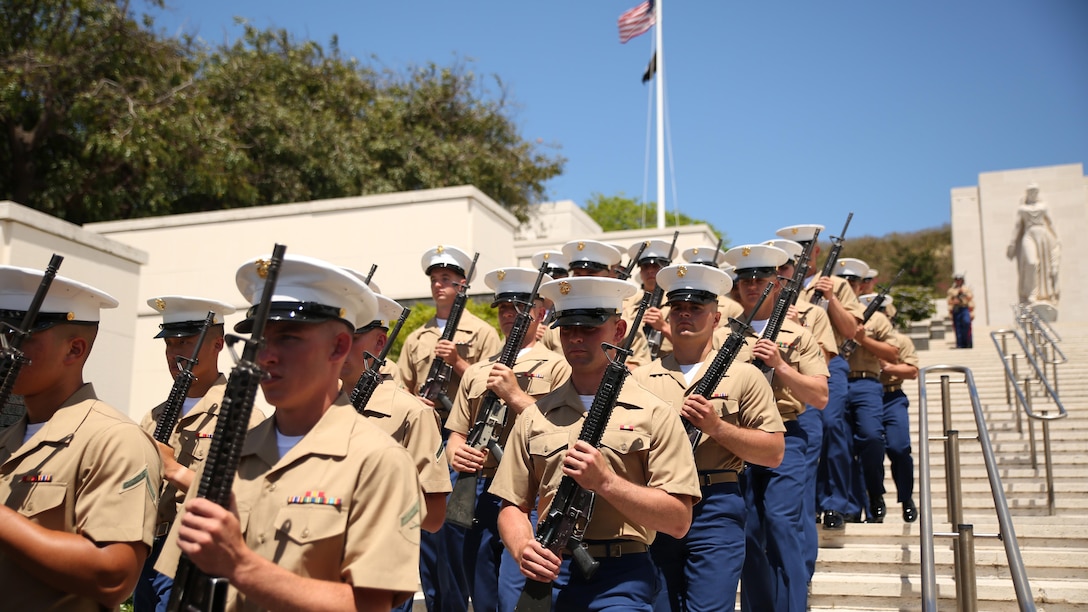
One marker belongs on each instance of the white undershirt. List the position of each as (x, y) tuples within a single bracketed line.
[(587, 401), (523, 351), (441, 323), (31, 429), (285, 443), (759, 326), (188, 404), (689, 371)]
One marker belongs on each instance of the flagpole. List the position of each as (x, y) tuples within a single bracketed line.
[(660, 94)]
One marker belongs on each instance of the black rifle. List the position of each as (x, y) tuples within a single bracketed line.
[(832, 257), (438, 378), (654, 337), (727, 352), (786, 298), (12, 358), (571, 509), (491, 418), (372, 376), (849, 345), (805, 261), (171, 412), (195, 591), (626, 272)]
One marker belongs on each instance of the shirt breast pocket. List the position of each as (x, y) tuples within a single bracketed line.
[(43, 503), (625, 442), (542, 449), (305, 524)]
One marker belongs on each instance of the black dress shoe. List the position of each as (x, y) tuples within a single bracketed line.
[(910, 511), (852, 517), (877, 510), (833, 520)]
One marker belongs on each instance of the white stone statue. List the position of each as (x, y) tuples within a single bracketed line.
[(1036, 249)]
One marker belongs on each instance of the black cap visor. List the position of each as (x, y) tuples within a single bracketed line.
[(660, 262), (44, 320), (588, 265), (510, 297), (697, 296), (458, 269), (301, 312), (744, 273), (582, 317)]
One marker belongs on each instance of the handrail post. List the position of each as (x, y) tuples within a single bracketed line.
[(964, 553), (1031, 424), (952, 476), (1049, 459)]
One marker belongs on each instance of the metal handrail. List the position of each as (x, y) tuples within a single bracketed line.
[(963, 533), (1025, 312), (1040, 375)]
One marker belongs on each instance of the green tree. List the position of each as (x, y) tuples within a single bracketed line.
[(106, 119), (620, 212)]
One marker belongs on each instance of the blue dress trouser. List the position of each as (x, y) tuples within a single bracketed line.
[(624, 583), (961, 323), (441, 569), (812, 422), (775, 576), (153, 590), (837, 457), (701, 571), (494, 580), (897, 442), (866, 408)]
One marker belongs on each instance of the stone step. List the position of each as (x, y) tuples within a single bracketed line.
[(904, 592), (1031, 532), (990, 561)]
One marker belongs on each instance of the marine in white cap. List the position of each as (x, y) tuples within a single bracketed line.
[(592, 258), (869, 280), (405, 417), (864, 400), (536, 372), (656, 254), (740, 422), (182, 320), (474, 339), (81, 481), (643, 472), (775, 495), (342, 495), (845, 313)]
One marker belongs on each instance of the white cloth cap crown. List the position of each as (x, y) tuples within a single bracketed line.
[(80, 302), (447, 256), (588, 292), (694, 277), (799, 233), (656, 248), (703, 255), (591, 251), (187, 309), (869, 297), (848, 266), (507, 281), (388, 311), (310, 280), (554, 257), (749, 256), (793, 249), (873, 272)]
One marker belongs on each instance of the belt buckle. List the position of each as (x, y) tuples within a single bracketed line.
[(613, 550), (162, 529)]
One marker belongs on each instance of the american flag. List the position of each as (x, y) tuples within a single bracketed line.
[(637, 21)]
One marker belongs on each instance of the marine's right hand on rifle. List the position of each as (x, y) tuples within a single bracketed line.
[(538, 563), (826, 286), (211, 536), (447, 351), (793, 315), (767, 351), (700, 412), (177, 474), (467, 459), (653, 318)]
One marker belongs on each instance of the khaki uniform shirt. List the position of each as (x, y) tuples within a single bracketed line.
[(960, 296), (644, 442), (818, 323), (799, 349), (742, 398), (475, 339), (845, 295), (640, 350), (538, 372), (906, 355), (343, 505), (415, 426), (190, 440), (729, 309), (630, 309), (90, 471), (861, 360)]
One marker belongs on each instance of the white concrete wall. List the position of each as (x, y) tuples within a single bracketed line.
[(29, 238)]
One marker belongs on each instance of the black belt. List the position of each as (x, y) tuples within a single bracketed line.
[(892, 388), (713, 477), (615, 548), (860, 375)]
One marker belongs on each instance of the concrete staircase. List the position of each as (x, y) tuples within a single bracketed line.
[(877, 567)]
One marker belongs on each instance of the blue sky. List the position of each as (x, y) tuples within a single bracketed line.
[(779, 111)]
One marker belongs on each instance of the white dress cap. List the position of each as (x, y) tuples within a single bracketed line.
[(586, 300), (656, 249), (512, 284), (693, 283), (307, 290), (793, 249), (557, 262), (183, 315), (704, 254), (799, 233), (67, 299), (847, 267), (443, 256), (873, 272), (591, 254), (756, 260), (869, 297), (388, 311), (359, 275)]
